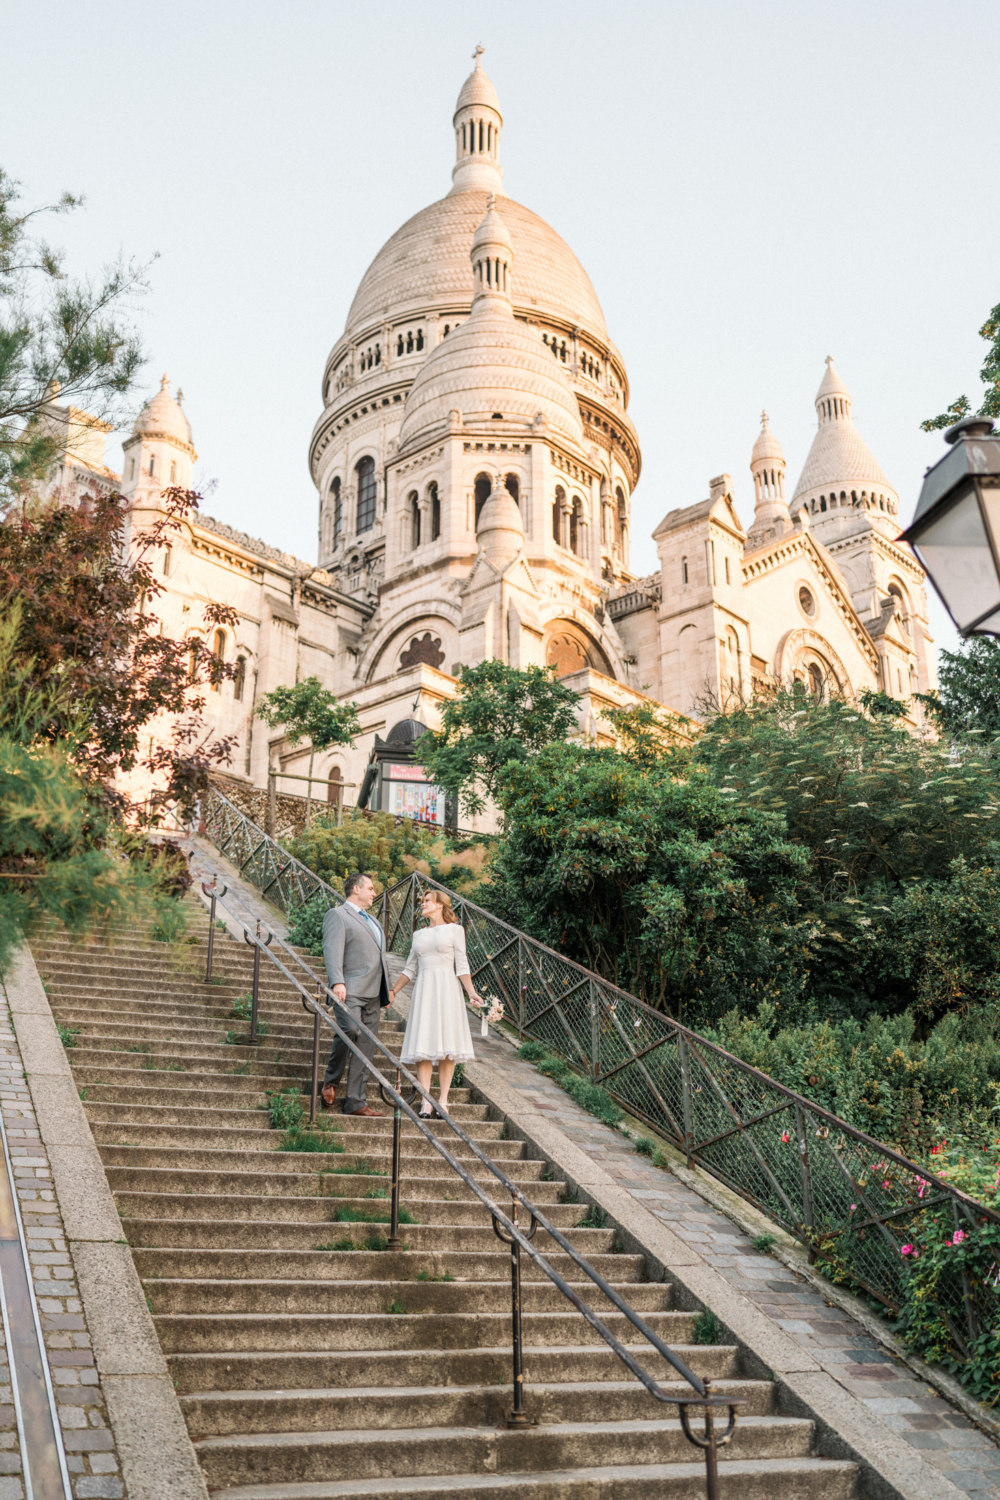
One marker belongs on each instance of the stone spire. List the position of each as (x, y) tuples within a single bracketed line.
[(478, 123), (492, 258), (767, 465), (840, 472)]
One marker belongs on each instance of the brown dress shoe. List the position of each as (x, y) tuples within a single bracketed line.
[(365, 1110), (328, 1094)]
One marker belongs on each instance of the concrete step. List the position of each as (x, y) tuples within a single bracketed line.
[(378, 1369), (319, 1184), (625, 1271), (255, 1458), (437, 1212), (741, 1479), (215, 1297), (152, 1231), (226, 1413), (193, 1332)]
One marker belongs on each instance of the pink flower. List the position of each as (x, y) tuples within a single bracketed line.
[(958, 1236), (785, 1137), (853, 1207), (886, 1184), (935, 1150), (906, 1250)]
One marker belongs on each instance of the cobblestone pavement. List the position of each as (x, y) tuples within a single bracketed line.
[(90, 1448), (942, 1433)]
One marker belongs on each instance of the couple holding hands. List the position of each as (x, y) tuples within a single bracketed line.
[(437, 1030)]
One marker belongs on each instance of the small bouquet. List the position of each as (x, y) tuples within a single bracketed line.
[(490, 1012)]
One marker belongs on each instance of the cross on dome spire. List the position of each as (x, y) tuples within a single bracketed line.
[(478, 122)]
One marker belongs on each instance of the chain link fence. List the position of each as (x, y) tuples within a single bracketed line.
[(868, 1216)]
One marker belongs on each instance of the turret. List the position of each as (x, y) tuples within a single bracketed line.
[(767, 465), (478, 123)]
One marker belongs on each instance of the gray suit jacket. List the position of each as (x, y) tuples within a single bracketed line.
[(352, 954)]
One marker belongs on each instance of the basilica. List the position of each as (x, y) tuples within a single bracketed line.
[(476, 466)]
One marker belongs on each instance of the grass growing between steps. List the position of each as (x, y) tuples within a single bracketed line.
[(370, 1242), (287, 1114), (595, 1100), (358, 1166), (68, 1034), (706, 1328), (347, 1215)]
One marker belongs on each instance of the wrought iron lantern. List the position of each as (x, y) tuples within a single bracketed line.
[(956, 529)]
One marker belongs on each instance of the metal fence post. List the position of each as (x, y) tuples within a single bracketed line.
[(687, 1097), (805, 1173), (522, 988), (595, 1035), (394, 1241), (213, 894), (272, 816), (256, 987)]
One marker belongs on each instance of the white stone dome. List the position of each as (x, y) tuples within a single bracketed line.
[(767, 445), (478, 91), (500, 529), (163, 417), (839, 457), (492, 364), (425, 265)]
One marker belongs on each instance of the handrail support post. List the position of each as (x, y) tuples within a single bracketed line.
[(256, 988), (394, 1241), (687, 1097), (517, 1417), (315, 1060)]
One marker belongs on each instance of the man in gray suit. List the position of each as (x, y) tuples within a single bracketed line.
[(354, 954)]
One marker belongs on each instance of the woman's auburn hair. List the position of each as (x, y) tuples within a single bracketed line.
[(444, 901)]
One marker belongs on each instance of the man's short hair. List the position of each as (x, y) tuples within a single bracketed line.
[(355, 879)]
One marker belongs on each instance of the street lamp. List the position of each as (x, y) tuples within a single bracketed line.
[(956, 529)]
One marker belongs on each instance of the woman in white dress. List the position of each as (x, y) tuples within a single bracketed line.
[(437, 1030)]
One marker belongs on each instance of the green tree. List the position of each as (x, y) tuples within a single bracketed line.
[(989, 375), (657, 881), (85, 589), (501, 715), (59, 855), (968, 697), (309, 711), (78, 334)]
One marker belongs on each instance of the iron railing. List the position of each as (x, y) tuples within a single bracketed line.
[(508, 1229), (866, 1213)]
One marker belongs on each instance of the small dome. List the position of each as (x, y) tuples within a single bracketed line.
[(492, 231), (767, 445), (163, 415), (477, 89), (500, 532), (405, 732)]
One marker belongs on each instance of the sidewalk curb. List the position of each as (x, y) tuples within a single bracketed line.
[(156, 1453)]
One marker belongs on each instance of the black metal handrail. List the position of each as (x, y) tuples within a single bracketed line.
[(508, 1228), (865, 1211)]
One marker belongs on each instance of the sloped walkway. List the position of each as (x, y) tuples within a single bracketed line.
[(938, 1430)]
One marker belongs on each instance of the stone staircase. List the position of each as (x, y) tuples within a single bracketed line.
[(308, 1361)]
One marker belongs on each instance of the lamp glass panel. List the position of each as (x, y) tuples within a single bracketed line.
[(955, 550)]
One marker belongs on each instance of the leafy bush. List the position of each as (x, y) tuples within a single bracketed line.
[(371, 842), (305, 924)]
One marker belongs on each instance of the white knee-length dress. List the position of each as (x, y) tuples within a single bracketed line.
[(438, 1025)]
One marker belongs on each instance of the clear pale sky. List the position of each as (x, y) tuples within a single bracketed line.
[(749, 186)]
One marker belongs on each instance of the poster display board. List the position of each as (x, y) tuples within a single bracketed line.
[(407, 792)]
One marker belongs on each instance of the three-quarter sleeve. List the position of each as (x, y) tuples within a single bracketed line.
[(461, 957), (412, 963)]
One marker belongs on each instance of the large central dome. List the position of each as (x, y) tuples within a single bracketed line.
[(426, 264)]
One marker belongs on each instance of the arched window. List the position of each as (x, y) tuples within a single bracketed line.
[(409, 342), (337, 507), (484, 485), (576, 527), (816, 680), (902, 609), (558, 510), (173, 473), (334, 786), (435, 512), (512, 487), (366, 494), (193, 660), (152, 466), (822, 502), (684, 570), (414, 504), (218, 657), (619, 517), (420, 338), (239, 681), (167, 553)]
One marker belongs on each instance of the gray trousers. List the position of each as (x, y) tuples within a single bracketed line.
[(366, 1009)]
